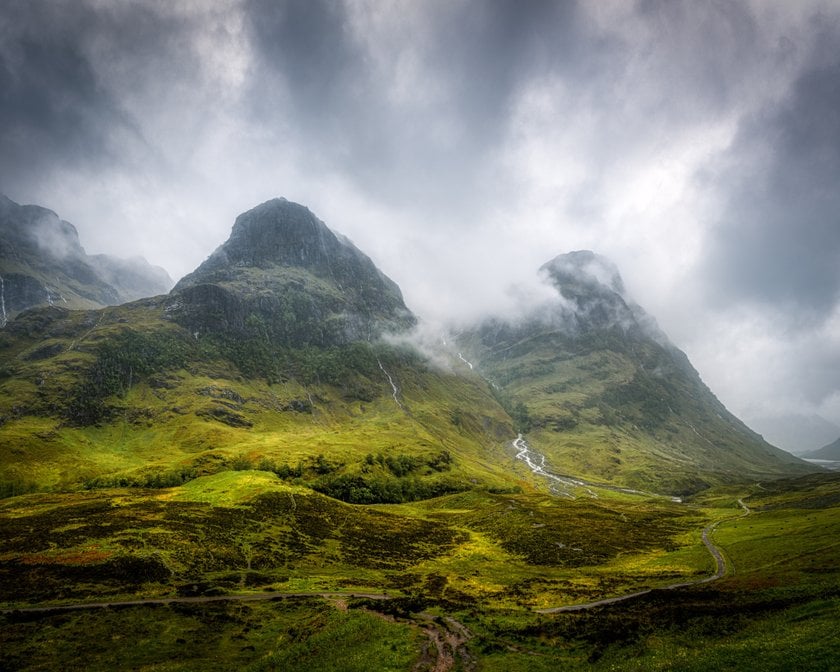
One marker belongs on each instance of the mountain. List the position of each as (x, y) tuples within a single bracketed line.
[(250, 437), (828, 452), (795, 432), (603, 393), (268, 353), (284, 275), (282, 327), (43, 263)]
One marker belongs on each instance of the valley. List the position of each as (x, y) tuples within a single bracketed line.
[(265, 469), (482, 561)]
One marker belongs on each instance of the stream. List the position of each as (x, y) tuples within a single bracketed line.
[(564, 485)]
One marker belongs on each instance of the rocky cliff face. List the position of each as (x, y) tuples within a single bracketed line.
[(285, 276), (42, 262)]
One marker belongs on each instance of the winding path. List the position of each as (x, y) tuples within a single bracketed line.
[(715, 552), (536, 462)]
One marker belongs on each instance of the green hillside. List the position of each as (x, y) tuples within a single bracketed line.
[(251, 473), (125, 396), (603, 393)]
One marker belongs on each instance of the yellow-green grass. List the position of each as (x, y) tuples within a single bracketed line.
[(788, 540), (776, 609), (207, 414), (162, 429), (470, 554), (620, 408), (525, 549), (230, 488)]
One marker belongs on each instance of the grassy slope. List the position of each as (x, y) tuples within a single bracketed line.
[(300, 634), (488, 555), (775, 610), (240, 529), (200, 414), (486, 559), (624, 410)]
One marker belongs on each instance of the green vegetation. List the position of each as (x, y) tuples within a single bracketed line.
[(473, 562), (293, 634), (614, 405), (139, 460), (126, 398)]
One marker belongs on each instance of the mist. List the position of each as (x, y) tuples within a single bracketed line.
[(464, 144)]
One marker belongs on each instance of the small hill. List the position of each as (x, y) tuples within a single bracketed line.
[(828, 452), (42, 263), (602, 392)]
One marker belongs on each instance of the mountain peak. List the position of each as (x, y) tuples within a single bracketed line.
[(42, 262), (584, 267), (283, 265), (594, 360), (280, 231), (283, 233)]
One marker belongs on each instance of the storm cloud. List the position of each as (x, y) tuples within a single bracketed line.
[(462, 144)]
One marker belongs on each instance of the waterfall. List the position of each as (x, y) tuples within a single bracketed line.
[(3, 318)]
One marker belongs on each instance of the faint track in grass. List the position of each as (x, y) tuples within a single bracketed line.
[(716, 553), (200, 599)]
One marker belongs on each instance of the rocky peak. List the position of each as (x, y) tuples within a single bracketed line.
[(592, 289), (283, 268), (583, 269), (36, 230), (279, 231)]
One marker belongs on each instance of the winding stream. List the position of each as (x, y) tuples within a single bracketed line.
[(2, 302), (563, 484)]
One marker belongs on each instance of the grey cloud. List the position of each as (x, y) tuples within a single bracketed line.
[(52, 111), (315, 75), (702, 52), (67, 72), (307, 65), (417, 123), (779, 238)]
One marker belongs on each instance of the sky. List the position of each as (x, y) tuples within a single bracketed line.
[(463, 143)]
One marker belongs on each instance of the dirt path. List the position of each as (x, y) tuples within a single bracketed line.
[(446, 647), (720, 572)]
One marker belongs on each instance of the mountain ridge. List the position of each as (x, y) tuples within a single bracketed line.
[(42, 262), (830, 451), (143, 455), (596, 385)]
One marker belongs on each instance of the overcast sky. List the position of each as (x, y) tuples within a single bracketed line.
[(461, 144)]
